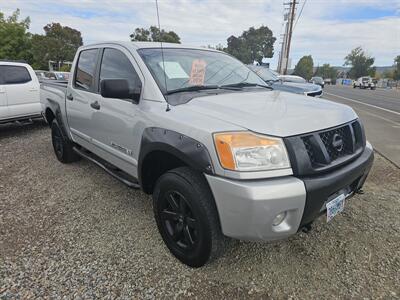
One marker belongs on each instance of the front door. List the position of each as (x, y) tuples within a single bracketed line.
[(116, 119)]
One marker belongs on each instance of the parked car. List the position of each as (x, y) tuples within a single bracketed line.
[(271, 79), (222, 154), (19, 92), (318, 80), (365, 82), (57, 75), (292, 78), (40, 74)]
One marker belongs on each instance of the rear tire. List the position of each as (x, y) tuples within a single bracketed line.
[(187, 217), (63, 148)]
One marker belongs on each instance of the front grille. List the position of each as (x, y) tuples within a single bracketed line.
[(347, 146), (319, 151)]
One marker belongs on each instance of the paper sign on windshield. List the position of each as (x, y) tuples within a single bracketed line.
[(173, 69), (198, 72)]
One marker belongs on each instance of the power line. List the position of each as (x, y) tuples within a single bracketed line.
[(301, 10)]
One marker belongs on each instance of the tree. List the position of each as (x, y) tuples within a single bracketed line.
[(59, 44), (253, 45), (396, 73), (304, 67), (360, 62), (14, 37), (326, 71), (390, 74), (153, 34)]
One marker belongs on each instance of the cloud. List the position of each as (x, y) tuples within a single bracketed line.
[(327, 29)]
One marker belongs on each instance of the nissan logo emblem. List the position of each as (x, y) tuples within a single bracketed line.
[(337, 142)]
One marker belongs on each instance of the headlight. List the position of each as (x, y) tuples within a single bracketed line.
[(245, 151)]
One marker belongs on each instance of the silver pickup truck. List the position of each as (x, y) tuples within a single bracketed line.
[(223, 154)]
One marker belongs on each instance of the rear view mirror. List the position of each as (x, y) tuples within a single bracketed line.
[(119, 88)]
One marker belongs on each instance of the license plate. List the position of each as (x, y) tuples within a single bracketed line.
[(334, 207)]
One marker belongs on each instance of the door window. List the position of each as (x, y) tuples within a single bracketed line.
[(84, 78), (115, 65), (14, 75)]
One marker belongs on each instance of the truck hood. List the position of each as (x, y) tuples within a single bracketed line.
[(273, 112)]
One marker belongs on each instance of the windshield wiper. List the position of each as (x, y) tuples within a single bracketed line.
[(245, 84), (193, 88), (272, 80)]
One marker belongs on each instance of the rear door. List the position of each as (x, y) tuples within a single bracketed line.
[(3, 98), (81, 92), (116, 119), (22, 91)]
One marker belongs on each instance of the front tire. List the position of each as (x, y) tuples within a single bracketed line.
[(63, 148), (187, 217)]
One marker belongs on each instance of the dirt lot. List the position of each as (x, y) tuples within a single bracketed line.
[(72, 230)]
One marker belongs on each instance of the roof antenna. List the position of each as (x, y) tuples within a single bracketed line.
[(162, 55)]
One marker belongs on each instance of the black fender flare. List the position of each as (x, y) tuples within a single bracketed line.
[(190, 151), (54, 106)]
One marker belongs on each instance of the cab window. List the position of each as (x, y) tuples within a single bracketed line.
[(115, 65), (84, 78), (14, 75)]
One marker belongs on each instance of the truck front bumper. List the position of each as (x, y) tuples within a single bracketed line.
[(247, 208)]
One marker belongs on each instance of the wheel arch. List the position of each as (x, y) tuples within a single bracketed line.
[(163, 149)]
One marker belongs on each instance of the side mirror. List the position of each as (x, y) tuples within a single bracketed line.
[(119, 88)]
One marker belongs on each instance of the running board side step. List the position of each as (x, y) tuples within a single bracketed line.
[(124, 178)]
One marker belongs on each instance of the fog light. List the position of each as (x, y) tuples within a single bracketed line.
[(279, 218)]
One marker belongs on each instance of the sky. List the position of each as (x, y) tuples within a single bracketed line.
[(326, 29)]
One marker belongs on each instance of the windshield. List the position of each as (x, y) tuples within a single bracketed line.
[(186, 69), (264, 73), (296, 79)]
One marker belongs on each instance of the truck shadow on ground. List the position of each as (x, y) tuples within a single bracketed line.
[(17, 129)]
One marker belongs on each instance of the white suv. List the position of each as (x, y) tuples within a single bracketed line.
[(19, 92)]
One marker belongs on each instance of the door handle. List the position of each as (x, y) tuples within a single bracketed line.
[(95, 105), (70, 97)]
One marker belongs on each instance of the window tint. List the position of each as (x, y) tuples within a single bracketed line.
[(86, 68), (115, 65), (14, 75)]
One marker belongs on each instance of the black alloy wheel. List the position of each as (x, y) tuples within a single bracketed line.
[(187, 217), (57, 140), (179, 221)]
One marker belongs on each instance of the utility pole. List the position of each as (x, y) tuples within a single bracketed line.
[(287, 36)]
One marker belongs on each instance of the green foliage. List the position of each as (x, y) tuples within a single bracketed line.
[(390, 74), (59, 44), (304, 67), (360, 62), (326, 71), (396, 73), (252, 45), (14, 37), (65, 68), (153, 34)]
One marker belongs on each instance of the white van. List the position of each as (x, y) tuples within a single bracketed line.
[(19, 92)]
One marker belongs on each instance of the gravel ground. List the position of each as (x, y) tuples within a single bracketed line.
[(74, 231)]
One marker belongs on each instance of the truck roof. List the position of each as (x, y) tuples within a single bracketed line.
[(142, 45)]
